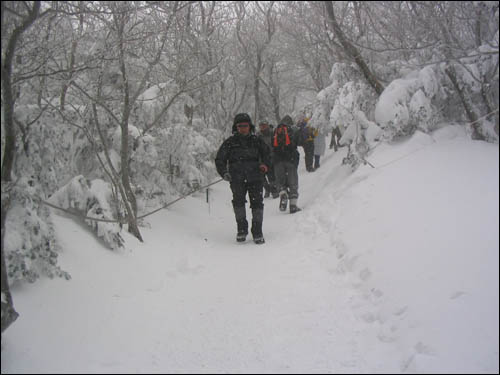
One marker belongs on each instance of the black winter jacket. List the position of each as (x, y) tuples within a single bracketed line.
[(267, 136), (241, 155)]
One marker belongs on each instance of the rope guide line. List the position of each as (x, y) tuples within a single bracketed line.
[(71, 212)]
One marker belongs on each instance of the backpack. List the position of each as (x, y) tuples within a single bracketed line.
[(282, 139)]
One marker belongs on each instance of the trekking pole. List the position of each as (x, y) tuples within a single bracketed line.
[(208, 199)]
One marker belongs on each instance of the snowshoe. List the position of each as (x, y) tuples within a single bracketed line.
[(294, 209), (283, 201)]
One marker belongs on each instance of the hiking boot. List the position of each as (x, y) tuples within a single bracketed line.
[(241, 236), (242, 225), (283, 200), (293, 206), (259, 240), (258, 237)]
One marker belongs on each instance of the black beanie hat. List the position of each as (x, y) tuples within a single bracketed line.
[(242, 117), (287, 120)]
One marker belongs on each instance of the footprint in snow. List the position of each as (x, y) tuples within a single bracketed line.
[(457, 294)]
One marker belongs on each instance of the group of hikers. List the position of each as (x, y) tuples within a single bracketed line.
[(267, 161)]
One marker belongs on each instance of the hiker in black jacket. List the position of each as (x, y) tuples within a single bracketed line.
[(286, 161), (266, 134), (243, 159)]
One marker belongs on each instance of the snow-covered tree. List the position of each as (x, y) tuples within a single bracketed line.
[(92, 199), (407, 104), (30, 244)]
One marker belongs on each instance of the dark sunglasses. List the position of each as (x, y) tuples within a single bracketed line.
[(243, 125)]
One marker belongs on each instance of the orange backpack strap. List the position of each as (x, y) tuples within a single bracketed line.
[(279, 131)]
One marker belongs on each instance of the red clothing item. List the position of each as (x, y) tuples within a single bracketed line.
[(280, 130)]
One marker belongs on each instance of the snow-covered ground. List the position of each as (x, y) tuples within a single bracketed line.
[(388, 269)]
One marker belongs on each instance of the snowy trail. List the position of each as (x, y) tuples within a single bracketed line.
[(190, 299), (335, 289)]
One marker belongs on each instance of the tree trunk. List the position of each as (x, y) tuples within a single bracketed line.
[(10, 135), (476, 133), (132, 212), (74, 45), (274, 91), (452, 75), (276, 106), (8, 96), (484, 96), (352, 51), (117, 183), (124, 153), (256, 87), (9, 314)]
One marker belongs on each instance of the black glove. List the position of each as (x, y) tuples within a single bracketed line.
[(227, 176)]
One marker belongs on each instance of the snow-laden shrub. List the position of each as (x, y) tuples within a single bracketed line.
[(83, 158), (478, 76), (339, 103), (31, 249), (342, 73), (353, 97), (348, 103), (163, 101), (424, 98), (320, 118), (370, 130), (176, 155), (188, 154), (167, 161), (91, 199), (116, 138), (406, 104), (45, 147)]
